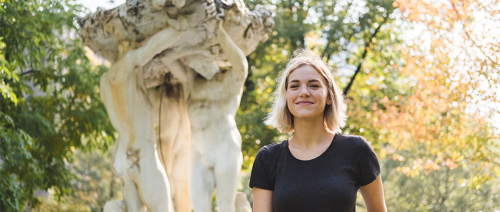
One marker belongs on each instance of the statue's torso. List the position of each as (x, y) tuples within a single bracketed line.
[(131, 107), (212, 106)]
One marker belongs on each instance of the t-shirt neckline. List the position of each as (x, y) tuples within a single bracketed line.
[(316, 158)]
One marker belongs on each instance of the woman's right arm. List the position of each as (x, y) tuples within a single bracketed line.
[(262, 200)]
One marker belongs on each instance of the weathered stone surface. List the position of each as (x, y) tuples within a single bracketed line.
[(111, 33)]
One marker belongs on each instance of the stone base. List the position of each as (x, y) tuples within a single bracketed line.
[(242, 204)]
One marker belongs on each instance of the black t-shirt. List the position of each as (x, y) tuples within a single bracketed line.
[(328, 182)]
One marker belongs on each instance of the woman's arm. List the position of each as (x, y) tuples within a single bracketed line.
[(262, 200), (373, 194)]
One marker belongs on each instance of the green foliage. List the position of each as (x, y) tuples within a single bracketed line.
[(336, 30), (444, 189), (50, 100), (95, 184)]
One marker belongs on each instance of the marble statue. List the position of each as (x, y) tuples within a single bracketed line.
[(216, 142), (177, 75)]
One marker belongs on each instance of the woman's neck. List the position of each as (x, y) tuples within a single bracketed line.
[(310, 133)]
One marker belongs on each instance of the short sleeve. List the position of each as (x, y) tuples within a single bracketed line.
[(261, 177), (368, 164)]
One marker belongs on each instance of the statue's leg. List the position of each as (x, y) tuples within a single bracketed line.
[(174, 149), (130, 193), (131, 196), (180, 167), (202, 185), (227, 170), (149, 176)]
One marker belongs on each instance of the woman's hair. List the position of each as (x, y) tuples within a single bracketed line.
[(334, 114)]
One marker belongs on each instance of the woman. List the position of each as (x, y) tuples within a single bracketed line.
[(317, 169)]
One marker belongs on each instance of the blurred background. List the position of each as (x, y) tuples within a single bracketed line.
[(421, 79)]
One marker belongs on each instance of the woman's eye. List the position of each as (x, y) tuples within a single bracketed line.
[(294, 86), (315, 86)]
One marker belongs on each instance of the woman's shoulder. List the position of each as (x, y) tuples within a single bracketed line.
[(354, 141), (272, 150)]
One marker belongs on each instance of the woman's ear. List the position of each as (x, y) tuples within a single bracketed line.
[(329, 100)]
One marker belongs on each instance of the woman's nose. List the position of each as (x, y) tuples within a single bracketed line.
[(304, 91)]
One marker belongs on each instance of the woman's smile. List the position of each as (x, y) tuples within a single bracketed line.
[(304, 103)]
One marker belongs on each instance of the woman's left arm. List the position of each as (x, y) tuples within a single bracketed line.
[(373, 194)]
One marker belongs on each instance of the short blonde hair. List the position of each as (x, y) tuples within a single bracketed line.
[(334, 114)]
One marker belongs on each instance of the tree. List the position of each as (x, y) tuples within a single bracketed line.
[(95, 184), (344, 33), (428, 115), (445, 120), (50, 100)]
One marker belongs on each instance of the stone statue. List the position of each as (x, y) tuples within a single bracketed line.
[(176, 67), (216, 142), (136, 160)]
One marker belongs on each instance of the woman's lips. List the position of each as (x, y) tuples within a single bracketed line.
[(304, 103)]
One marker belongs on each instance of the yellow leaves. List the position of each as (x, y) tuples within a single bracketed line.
[(385, 101), (382, 153), (405, 170), (485, 165), (313, 38), (398, 157), (496, 171), (431, 165), (479, 179), (413, 16), (451, 164), (436, 121), (463, 182), (444, 108), (396, 4)]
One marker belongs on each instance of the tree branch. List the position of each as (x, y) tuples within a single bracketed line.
[(367, 47), (468, 35), (332, 31), (30, 71)]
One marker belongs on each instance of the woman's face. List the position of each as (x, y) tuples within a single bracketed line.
[(306, 94)]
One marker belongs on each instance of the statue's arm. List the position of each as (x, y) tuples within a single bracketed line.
[(157, 43), (121, 71), (166, 37), (234, 54), (171, 56)]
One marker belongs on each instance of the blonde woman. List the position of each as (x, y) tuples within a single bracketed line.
[(318, 168)]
